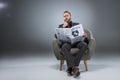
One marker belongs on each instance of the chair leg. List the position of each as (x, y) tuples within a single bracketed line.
[(86, 66), (61, 64)]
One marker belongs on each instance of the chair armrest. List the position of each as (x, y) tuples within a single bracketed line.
[(57, 50), (91, 47)]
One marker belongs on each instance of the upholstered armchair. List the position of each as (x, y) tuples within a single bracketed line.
[(88, 53)]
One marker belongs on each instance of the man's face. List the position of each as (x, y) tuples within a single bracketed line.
[(67, 17)]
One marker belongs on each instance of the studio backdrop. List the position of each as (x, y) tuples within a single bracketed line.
[(29, 25)]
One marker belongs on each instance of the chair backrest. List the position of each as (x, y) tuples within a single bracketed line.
[(91, 45), (89, 34)]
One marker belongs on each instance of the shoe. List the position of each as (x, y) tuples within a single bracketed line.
[(69, 71), (76, 71)]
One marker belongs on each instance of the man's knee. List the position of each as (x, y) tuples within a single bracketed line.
[(82, 45), (66, 45)]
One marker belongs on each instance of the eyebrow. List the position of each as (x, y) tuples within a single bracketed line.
[(65, 15)]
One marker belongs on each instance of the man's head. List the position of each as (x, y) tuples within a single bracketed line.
[(67, 16)]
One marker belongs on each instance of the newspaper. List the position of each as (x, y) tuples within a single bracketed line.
[(71, 35)]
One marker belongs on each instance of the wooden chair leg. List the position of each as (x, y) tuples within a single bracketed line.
[(61, 64), (86, 66)]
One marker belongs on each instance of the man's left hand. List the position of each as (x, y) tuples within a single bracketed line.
[(85, 35)]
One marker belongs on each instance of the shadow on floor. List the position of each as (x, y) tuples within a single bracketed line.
[(91, 67)]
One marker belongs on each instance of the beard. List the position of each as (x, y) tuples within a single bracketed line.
[(67, 20)]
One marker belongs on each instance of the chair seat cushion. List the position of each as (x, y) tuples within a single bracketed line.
[(73, 51)]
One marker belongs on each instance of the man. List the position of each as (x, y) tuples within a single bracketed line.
[(72, 61)]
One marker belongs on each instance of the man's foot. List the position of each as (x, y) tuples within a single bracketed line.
[(76, 71), (69, 71)]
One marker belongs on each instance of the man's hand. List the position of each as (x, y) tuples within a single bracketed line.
[(65, 24), (85, 34)]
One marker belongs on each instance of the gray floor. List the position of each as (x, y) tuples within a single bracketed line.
[(46, 67)]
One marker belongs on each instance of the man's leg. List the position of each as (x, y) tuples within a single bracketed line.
[(82, 46), (68, 56), (66, 53)]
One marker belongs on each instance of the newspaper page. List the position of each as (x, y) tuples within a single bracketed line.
[(63, 34), (77, 33), (72, 35)]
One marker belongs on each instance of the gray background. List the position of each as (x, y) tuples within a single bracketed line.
[(29, 25), (27, 30)]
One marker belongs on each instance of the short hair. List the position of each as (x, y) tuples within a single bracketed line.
[(67, 12)]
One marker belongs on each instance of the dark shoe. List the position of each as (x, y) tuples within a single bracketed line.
[(76, 71), (69, 71)]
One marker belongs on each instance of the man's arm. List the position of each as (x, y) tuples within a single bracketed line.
[(60, 26), (55, 36), (86, 41), (85, 38), (64, 25)]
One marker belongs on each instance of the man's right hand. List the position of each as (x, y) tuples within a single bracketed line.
[(65, 24)]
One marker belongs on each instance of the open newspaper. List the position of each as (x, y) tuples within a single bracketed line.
[(71, 35)]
